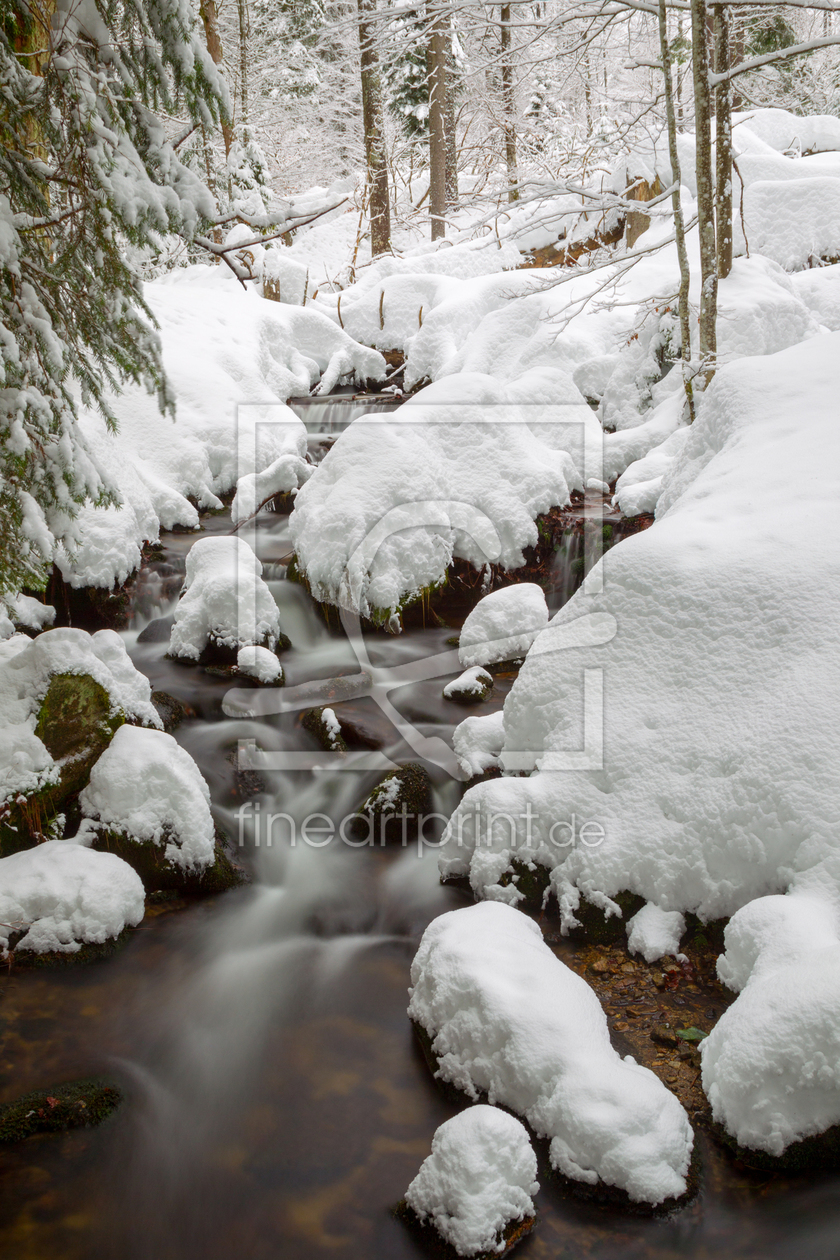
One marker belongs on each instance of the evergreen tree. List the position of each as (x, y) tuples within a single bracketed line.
[(86, 170)]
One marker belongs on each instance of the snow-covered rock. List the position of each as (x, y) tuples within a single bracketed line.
[(66, 895), (455, 472), (478, 742), (794, 221), (287, 472), (224, 601), (148, 788), (771, 1065), (259, 663), (480, 1176), (503, 625), (26, 668), (653, 932), (507, 1018), (473, 685)]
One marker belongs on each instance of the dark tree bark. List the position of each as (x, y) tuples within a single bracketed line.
[(705, 190), (723, 138), (437, 126), (372, 117), (451, 135), (679, 223), (509, 105)]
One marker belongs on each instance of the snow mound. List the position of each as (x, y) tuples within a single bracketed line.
[(716, 781), (65, 896), (794, 222), (503, 625), (781, 130), (224, 600), (653, 932), (288, 471), (260, 664), (771, 1065), (474, 682), (480, 1176), (508, 1019), (26, 667), (147, 787), (457, 472), (478, 742)]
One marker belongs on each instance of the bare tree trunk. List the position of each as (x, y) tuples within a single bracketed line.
[(723, 139), (679, 222), (437, 127), (509, 106), (372, 117), (705, 191), (243, 58), (451, 136), (210, 19)]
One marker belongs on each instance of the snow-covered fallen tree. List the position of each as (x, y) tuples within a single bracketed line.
[(507, 1019)]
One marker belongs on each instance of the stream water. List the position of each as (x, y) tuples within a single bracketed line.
[(278, 1105)]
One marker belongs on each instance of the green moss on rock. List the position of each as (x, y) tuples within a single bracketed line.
[(159, 874), (77, 1105), (314, 723), (391, 812)]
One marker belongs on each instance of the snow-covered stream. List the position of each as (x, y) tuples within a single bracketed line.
[(278, 1103)]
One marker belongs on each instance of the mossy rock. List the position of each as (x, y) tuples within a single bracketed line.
[(89, 952), (392, 810), (819, 1153), (76, 724), (314, 723), (77, 1105), (171, 710), (216, 654), (475, 693), (530, 880), (598, 929), (159, 874), (435, 1245)]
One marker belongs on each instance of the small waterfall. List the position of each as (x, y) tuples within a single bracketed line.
[(330, 414)]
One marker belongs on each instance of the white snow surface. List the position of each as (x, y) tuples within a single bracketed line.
[(232, 360), (260, 664), (223, 597), (471, 683), (771, 1065), (26, 667), (480, 1175), (508, 1019), (287, 472), (458, 471), (714, 789), (146, 786), (653, 933), (66, 895), (478, 742), (503, 625)]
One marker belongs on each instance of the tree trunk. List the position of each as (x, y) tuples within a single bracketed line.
[(705, 191), (509, 106), (723, 138), (437, 127), (679, 223), (451, 136), (209, 17), (372, 117), (243, 59)]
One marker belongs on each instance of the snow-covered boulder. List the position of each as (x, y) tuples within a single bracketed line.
[(794, 221), (653, 932), (62, 896), (473, 685), (505, 1017), (456, 472), (224, 604), (478, 742), (503, 625), (61, 695), (147, 789), (286, 473), (479, 1178), (259, 663), (771, 1065)]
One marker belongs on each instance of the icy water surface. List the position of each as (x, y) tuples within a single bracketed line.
[(278, 1105)]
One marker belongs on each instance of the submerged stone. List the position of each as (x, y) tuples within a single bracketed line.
[(76, 1105)]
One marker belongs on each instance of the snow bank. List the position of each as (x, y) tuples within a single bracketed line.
[(66, 895), (771, 1065), (26, 667), (224, 600), (480, 1176), (508, 1019), (455, 472), (716, 783), (793, 222), (287, 472), (503, 625), (781, 130), (653, 933), (147, 787), (226, 354)]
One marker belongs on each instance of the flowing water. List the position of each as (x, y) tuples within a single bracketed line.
[(278, 1105)]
